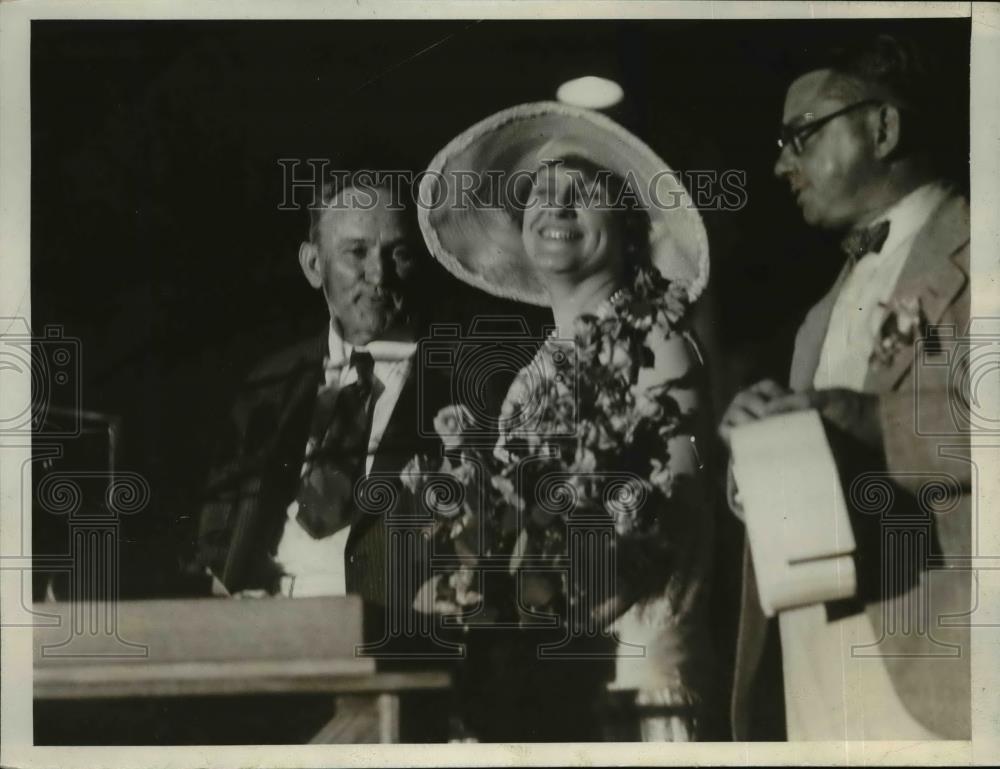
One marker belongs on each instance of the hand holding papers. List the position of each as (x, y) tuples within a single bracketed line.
[(796, 517)]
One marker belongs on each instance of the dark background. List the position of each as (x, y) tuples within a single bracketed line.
[(157, 239)]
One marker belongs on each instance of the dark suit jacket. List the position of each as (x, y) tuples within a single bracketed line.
[(925, 521), (255, 473)]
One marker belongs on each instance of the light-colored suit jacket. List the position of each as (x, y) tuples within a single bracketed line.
[(912, 509)]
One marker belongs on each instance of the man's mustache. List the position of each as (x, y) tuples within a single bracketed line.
[(380, 294)]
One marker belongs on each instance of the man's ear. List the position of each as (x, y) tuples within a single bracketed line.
[(309, 261), (887, 131)]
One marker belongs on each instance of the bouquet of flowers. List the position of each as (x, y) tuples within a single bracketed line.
[(581, 446)]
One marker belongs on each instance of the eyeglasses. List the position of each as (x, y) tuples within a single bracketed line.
[(796, 136)]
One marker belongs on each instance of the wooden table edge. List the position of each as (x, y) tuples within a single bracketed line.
[(90, 681)]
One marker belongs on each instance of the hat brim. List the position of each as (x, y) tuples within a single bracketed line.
[(481, 244)]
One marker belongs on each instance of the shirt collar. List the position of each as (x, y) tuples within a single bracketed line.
[(381, 350), (907, 215), (339, 350)]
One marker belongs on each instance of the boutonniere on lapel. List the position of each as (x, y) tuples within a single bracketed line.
[(903, 325)]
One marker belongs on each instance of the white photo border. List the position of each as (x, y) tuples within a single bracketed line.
[(16, 642)]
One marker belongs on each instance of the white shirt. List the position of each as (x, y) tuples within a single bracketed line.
[(836, 686), (858, 312), (316, 566)]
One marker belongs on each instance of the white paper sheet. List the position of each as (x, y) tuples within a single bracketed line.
[(796, 517)]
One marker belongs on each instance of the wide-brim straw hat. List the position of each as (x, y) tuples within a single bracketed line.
[(481, 244)]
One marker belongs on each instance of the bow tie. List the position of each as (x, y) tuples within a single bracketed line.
[(868, 240)]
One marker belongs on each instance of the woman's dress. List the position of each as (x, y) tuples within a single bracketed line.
[(661, 687)]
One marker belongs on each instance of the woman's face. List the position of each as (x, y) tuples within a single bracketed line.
[(569, 228)]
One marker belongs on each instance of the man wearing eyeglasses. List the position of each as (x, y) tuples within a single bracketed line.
[(892, 660)]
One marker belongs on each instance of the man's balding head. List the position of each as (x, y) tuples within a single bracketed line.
[(361, 255)]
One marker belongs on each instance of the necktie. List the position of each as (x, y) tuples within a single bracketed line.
[(867, 240), (338, 447)]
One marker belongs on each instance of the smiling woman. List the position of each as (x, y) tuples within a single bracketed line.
[(581, 231), (485, 247), (618, 273)]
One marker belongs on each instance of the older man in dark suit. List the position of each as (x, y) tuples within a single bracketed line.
[(304, 494), (892, 661)]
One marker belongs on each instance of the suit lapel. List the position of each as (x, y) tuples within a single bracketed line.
[(930, 274), (293, 429), (276, 429), (398, 440), (401, 425), (295, 394), (811, 336), (749, 648), (409, 431)]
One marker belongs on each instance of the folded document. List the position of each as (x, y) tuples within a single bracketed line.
[(796, 517)]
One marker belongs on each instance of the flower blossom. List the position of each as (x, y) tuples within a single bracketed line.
[(452, 424)]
